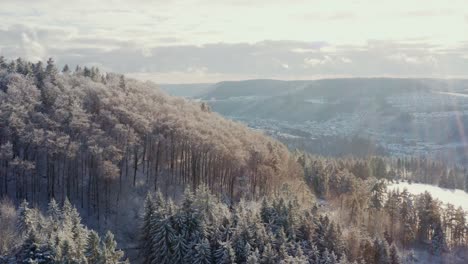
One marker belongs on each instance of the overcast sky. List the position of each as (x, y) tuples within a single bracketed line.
[(187, 41)]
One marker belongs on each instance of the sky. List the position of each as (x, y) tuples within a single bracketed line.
[(199, 41)]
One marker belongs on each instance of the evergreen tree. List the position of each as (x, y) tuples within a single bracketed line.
[(344, 260), (27, 219), (145, 240), (67, 253), (377, 196), (122, 82), (269, 255), (382, 252), (328, 258), (51, 71), (180, 249), (202, 253), (66, 69), (3, 64), (367, 252), (438, 242), (86, 72), (466, 182), (225, 254), (93, 250), (254, 257), (79, 236), (162, 236), (394, 257), (333, 240), (54, 212), (110, 253)]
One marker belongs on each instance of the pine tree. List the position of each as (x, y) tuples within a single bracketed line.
[(51, 71), (66, 69), (466, 182), (191, 221), (122, 82), (328, 258), (300, 257), (344, 260), (242, 249), (438, 243), (145, 240), (79, 235), (93, 250), (3, 64), (54, 212), (67, 214), (86, 72), (382, 251), (67, 253), (269, 255), (377, 196), (110, 253), (266, 211), (394, 257), (202, 253), (313, 254), (333, 240), (27, 219), (162, 236), (253, 257), (225, 254), (367, 251), (180, 249)]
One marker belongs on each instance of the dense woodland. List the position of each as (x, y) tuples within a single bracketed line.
[(357, 189), (95, 144), (58, 236), (94, 137)]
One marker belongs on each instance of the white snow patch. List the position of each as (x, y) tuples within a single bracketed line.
[(455, 197)]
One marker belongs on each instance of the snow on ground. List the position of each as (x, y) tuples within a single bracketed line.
[(455, 197)]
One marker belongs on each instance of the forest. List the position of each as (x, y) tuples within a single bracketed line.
[(80, 134), (178, 183)]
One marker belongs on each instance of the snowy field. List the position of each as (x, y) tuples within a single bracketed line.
[(455, 197)]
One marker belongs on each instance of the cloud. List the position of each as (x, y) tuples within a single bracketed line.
[(31, 48), (430, 13), (402, 57), (326, 59), (342, 16), (346, 60), (220, 61)]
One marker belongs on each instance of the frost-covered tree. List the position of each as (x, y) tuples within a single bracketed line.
[(59, 237), (180, 249), (394, 255), (162, 236), (145, 240), (93, 248), (438, 241), (382, 251), (110, 253), (254, 257), (202, 253), (269, 256), (225, 254)]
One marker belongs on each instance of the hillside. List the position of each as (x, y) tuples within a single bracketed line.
[(186, 90), (177, 183), (103, 141), (395, 116)]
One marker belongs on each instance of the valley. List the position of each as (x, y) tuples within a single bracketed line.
[(420, 117)]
